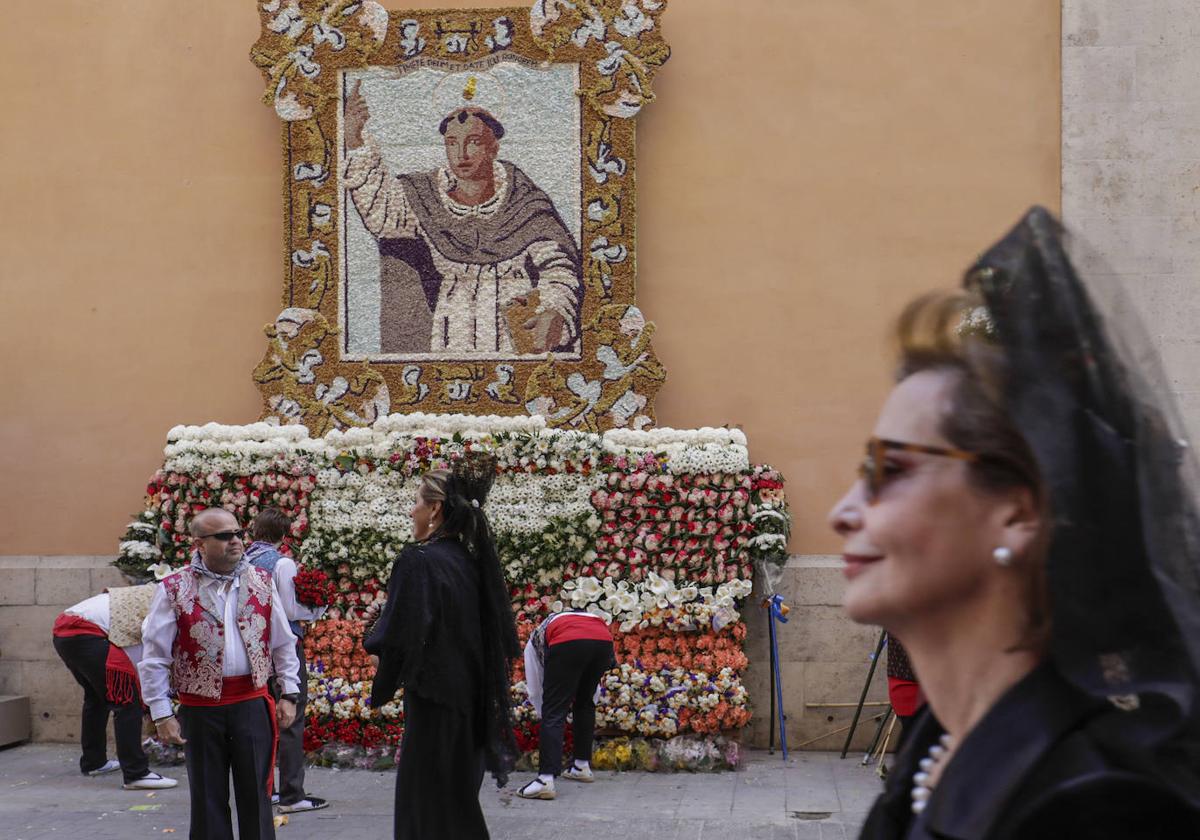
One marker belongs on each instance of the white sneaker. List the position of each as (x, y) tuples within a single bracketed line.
[(537, 789), (579, 774), (110, 766), (151, 781)]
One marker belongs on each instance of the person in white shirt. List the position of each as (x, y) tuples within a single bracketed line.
[(100, 642), (268, 530), (213, 634)]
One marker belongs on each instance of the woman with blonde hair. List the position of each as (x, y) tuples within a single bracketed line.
[(447, 636), (1025, 522)]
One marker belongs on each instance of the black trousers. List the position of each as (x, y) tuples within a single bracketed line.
[(441, 769), (84, 657), (289, 755), (573, 670), (221, 740)]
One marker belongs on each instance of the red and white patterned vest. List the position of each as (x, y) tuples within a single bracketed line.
[(200, 643)]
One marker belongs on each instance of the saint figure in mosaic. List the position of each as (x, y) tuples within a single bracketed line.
[(474, 257)]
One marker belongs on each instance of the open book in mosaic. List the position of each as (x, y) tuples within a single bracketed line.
[(658, 532), (460, 211)]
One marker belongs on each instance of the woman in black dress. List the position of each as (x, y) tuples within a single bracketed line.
[(447, 636), (1026, 521)]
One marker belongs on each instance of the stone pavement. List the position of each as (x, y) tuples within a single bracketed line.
[(815, 796)]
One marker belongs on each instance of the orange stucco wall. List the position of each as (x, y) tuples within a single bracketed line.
[(807, 167)]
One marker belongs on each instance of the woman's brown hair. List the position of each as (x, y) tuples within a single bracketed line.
[(950, 332)]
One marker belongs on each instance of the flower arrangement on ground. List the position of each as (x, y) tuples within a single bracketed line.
[(658, 532)]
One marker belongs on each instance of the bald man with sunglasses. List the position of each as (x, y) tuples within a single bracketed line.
[(213, 634)]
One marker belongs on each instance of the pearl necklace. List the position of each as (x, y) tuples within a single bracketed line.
[(921, 789)]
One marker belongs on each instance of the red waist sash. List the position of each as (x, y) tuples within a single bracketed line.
[(233, 690), (120, 678), (68, 624)]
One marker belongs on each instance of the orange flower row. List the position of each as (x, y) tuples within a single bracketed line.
[(721, 718), (654, 648), (337, 643)]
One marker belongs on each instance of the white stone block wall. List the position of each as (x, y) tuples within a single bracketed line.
[(824, 660), (1131, 165), (33, 591)]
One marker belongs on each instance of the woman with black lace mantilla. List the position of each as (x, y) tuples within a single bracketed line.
[(447, 637), (1026, 521)]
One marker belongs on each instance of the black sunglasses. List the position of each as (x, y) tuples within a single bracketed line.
[(224, 536), (871, 470)]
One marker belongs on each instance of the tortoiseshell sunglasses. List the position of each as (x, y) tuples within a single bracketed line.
[(872, 467)]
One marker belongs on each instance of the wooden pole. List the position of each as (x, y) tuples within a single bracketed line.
[(875, 739), (863, 697), (834, 732)]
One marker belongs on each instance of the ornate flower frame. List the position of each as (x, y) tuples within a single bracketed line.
[(305, 44)]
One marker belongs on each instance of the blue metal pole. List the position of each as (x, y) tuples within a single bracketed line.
[(776, 614)]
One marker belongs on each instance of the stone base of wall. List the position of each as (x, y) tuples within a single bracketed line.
[(824, 656), (33, 591), (824, 659)]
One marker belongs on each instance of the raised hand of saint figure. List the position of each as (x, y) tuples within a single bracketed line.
[(356, 115), (549, 330)]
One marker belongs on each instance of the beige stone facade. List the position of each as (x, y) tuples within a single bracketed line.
[(1131, 166)]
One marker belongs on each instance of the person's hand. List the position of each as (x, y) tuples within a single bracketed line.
[(357, 113), (372, 611), (549, 331), (374, 661), (285, 713), (168, 731)]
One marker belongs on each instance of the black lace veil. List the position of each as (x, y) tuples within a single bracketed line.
[(464, 518), (1087, 392)]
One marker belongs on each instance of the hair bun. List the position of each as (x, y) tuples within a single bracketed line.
[(473, 475)]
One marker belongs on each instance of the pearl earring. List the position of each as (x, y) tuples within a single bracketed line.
[(1002, 555)]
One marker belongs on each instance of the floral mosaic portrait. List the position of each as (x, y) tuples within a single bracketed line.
[(460, 211)]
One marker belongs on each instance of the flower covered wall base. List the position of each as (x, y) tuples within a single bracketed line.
[(658, 532)]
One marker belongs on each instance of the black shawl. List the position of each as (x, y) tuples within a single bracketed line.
[(433, 640), (1035, 768), (429, 638)]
